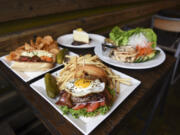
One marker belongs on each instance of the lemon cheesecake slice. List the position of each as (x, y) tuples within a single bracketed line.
[(80, 36)]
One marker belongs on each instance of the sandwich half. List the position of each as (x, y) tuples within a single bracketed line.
[(36, 56)]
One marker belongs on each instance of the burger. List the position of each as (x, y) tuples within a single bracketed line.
[(87, 90)]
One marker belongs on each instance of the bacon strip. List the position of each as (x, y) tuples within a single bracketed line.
[(64, 99)]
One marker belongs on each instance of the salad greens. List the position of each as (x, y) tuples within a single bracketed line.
[(83, 112), (120, 37)]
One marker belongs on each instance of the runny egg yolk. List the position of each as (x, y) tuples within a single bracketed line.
[(82, 83)]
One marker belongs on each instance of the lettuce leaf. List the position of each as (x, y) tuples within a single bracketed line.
[(120, 37), (82, 112), (150, 35)]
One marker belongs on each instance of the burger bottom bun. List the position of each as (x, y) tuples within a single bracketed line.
[(31, 66)]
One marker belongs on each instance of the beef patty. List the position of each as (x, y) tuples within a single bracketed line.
[(69, 100), (88, 98)]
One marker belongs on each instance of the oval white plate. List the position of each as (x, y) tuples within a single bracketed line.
[(103, 55), (66, 40)]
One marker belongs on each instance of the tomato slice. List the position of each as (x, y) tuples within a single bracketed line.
[(92, 106), (79, 106), (102, 103), (46, 58)]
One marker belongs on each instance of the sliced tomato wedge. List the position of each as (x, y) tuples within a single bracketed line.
[(79, 106), (92, 106)]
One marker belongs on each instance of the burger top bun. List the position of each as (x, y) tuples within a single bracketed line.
[(91, 70)]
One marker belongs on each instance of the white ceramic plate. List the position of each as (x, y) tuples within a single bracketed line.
[(88, 124), (27, 76), (66, 40), (104, 56)]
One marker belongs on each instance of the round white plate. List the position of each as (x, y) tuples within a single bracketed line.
[(104, 56), (66, 40)]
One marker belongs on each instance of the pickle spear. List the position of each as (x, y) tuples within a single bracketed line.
[(51, 86), (60, 56)]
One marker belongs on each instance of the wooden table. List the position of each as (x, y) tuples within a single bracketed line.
[(57, 124)]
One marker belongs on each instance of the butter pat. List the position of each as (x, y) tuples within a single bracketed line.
[(80, 36)]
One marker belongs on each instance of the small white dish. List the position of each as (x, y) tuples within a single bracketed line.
[(27, 76), (66, 40), (104, 56), (88, 124)]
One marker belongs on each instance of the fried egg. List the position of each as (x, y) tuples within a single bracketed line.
[(83, 87)]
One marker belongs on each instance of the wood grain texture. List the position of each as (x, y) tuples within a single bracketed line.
[(90, 24), (20, 118), (6, 129), (23, 24), (18, 9), (40, 107), (10, 103), (58, 125)]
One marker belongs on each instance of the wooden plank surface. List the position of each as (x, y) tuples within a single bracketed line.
[(90, 24), (57, 124), (18, 9), (6, 129), (44, 111)]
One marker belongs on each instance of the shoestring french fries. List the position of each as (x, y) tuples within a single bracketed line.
[(70, 70)]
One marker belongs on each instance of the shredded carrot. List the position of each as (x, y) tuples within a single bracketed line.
[(144, 50)]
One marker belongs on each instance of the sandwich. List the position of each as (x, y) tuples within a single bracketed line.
[(35, 56), (86, 87)]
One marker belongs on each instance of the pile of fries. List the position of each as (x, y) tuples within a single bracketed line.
[(70, 69)]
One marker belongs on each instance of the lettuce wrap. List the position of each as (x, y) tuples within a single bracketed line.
[(121, 38)]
